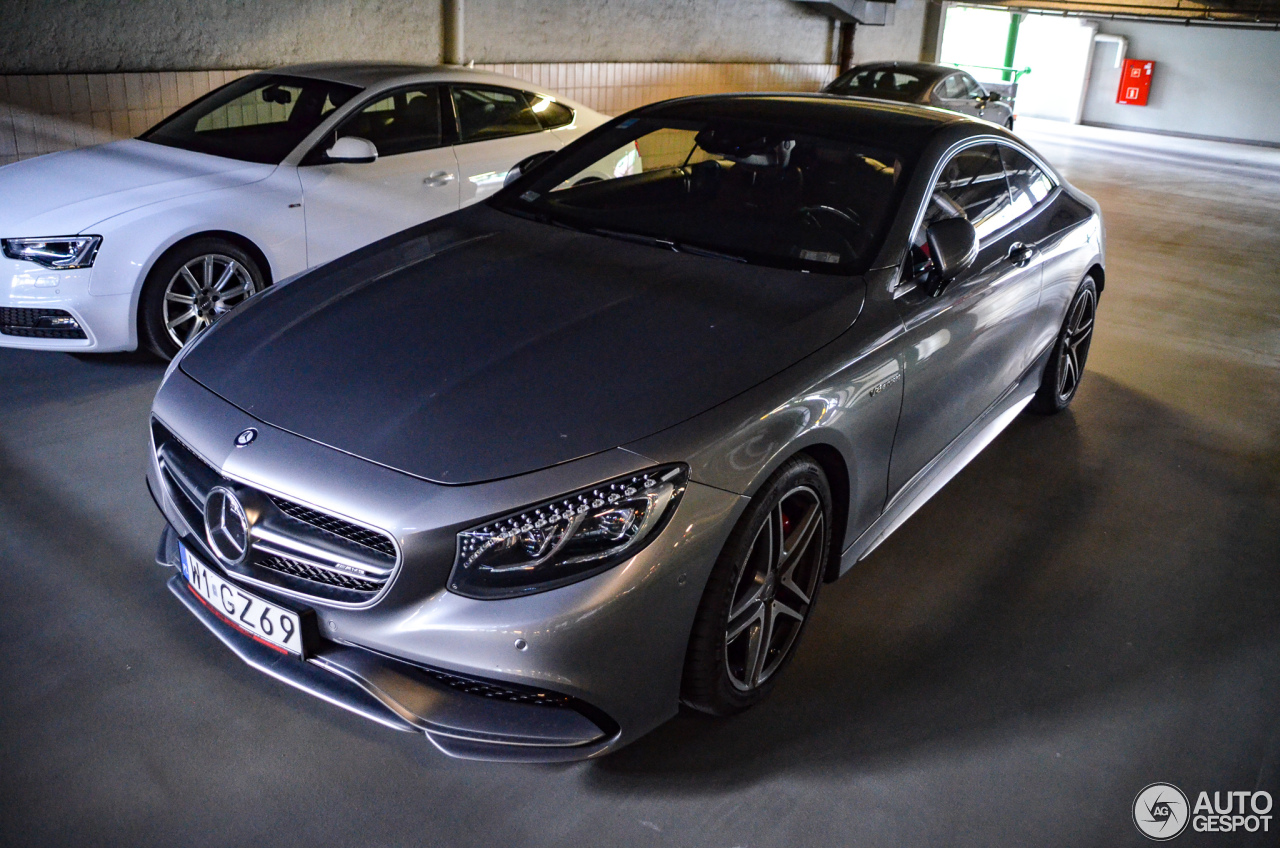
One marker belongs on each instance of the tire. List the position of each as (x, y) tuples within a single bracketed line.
[(1008, 123), (1065, 368), (168, 293), (733, 662)]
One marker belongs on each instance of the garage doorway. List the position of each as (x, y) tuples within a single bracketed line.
[(1048, 55)]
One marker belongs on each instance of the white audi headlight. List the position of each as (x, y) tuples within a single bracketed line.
[(63, 252)]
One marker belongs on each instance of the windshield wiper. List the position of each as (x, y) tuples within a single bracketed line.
[(702, 251), (636, 238), (678, 247)]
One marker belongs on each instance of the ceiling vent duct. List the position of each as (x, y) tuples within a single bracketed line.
[(862, 12)]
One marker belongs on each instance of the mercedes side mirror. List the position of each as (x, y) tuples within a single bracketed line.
[(526, 165), (352, 149), (953, 246), (993, 96)]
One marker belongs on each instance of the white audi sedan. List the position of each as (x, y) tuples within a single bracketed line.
[(147, 241)]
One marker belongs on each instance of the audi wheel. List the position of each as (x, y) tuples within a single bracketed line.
[(190, 288)]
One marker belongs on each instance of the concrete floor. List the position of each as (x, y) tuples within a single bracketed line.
[(1092, 606)]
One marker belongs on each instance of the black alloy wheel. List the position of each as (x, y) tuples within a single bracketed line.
[(1065, 369), (761, 592)]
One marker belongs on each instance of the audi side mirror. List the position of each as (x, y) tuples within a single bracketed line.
[(352, 149), (953, 246), (526, 165)]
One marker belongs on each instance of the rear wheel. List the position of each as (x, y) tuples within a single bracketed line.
[(761, 592), (191, 287), (1065, 368), (1008, 123)]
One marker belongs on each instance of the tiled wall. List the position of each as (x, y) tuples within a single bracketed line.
[(48, 112)]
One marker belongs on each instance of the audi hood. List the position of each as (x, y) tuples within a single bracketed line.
[(483, 345), (66, 193)]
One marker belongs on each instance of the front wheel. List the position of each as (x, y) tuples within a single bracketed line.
[(1065, 367), (761, 592), (189, 288)]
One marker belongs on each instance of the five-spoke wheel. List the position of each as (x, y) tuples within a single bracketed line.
[(774, 589), (1065, 368), (761, 591)]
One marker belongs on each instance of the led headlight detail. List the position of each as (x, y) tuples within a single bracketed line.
[(568, 539), (63, 252)]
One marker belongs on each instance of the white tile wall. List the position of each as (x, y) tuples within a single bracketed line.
[(43, 113)]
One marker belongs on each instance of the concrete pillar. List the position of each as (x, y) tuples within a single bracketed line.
[(454, 45)]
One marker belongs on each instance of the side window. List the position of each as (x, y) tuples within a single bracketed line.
[(971, 87), (972, 185), (402, 122), (549, 113), (952, 88), (493, 113), (1028, 184)]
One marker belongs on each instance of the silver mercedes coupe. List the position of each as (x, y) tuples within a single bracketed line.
[(528, 477)]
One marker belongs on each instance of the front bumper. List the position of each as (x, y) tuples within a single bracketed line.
[(613, 645), (488, 726), (106, 320)]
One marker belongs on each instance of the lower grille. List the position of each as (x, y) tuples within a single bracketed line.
[(38, 323), (498, 693), (293, 568)]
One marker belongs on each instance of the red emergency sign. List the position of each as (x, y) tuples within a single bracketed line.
[(1135, 82)]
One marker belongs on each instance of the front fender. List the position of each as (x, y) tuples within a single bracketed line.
[(267, 213), (845, 396)]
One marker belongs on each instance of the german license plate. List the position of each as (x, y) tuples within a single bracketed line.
[(244, 611)]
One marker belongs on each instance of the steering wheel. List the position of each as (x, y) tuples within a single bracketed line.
[(848, 216), (848, 220)]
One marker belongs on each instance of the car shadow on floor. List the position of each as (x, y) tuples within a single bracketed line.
[(1107, 547)]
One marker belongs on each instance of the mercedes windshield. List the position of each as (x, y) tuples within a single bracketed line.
[(741, 190)]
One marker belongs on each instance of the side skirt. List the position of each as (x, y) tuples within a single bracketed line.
[(930, 479)]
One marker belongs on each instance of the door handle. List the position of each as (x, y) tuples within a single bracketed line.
[(438, 178), (1020, 254)]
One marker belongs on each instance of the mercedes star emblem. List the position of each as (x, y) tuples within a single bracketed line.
[(246, 437), (225, 525)]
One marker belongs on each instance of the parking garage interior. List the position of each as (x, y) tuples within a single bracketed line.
[(1088, 608)]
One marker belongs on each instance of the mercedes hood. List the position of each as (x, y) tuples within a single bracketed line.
[(482, 345)]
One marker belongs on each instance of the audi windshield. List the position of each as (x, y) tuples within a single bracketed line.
[(258, 118)]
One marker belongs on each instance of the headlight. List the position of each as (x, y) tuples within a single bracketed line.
[(567, 539), (54, 251)]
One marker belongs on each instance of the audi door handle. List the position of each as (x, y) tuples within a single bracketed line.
[(438, 178), (1020, 254)]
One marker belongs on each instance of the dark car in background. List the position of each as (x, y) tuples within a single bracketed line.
[(943, 86), (527, 477)]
